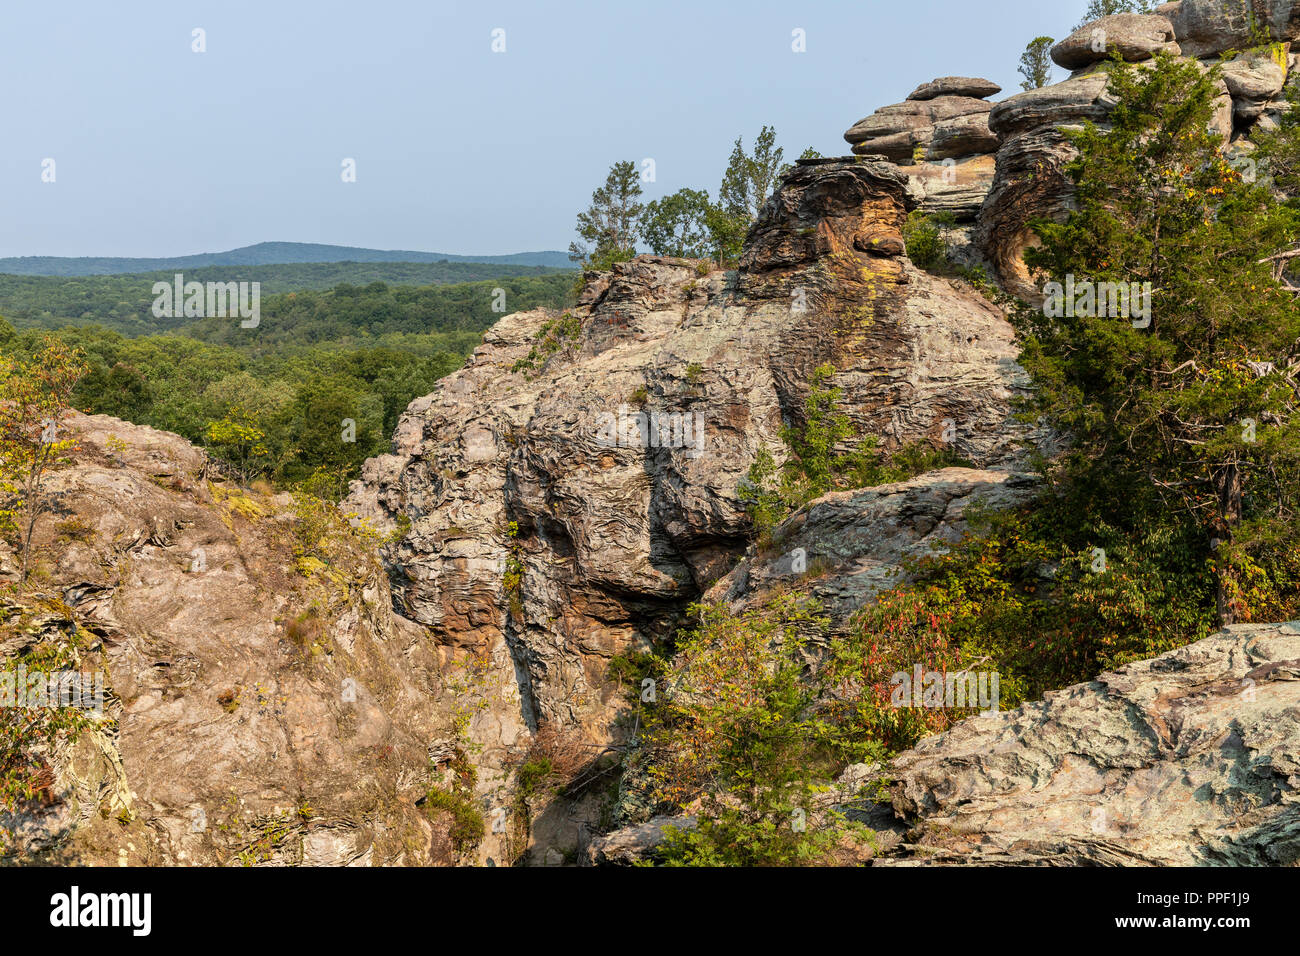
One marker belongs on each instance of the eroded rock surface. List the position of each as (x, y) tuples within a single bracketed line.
[(1190, 758), (531, 532), (262, 706)]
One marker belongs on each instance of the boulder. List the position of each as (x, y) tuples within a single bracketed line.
[(1070, 102), (847, 547), (956, 86), (634, 844), (898, 132), (967, 135), (1207, 27), (1254, 79), (1191, 758), (1136, 36)]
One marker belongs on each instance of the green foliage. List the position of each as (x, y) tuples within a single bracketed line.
[(677, 225), (29, 734), (750, 177), (378, 298), (726, 233), (240, 443), (742, 730), (315, 361), (467, 826), (608, 227), (924, 237), (1036, 63), (1185, 423), (555, 335), (35, 399)]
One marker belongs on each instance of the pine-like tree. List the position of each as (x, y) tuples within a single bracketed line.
[(1187, 414)]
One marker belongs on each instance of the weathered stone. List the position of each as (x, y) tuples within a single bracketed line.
[(1190, 758), (956, 86), (1206, 27), (960, 136), (1070, 102), (847, 547), (903, 131), (611, 543), (257, 708), (1135, 36), (957, 187), (1254, 79), (634, 844)]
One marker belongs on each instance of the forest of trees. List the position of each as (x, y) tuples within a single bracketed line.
[(123, 303), (318, 384)]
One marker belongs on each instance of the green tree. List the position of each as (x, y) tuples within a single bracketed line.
[(1185, 414), (738, 727), (1036, 63), (746, 183), (677, 225), (239, 441), (1104, 8), (608, 227), (35, 401), (750, 177)]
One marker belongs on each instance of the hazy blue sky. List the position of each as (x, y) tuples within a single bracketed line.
[(163, 151)]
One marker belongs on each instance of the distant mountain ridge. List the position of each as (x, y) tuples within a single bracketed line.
[(263, 253)]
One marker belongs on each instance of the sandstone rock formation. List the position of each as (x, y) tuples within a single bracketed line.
[(263, 707), (1190, 758), (1032, 150), (1208, 27), (942, 139), (847, 547), (562, 498), (504, 469), (1134, 36), (972, 86), (904, 132)]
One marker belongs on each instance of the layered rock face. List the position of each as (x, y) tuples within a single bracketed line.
[(1191, 758), (548, 520), (1029, 182), (255, 711), (941, 138), (848, 547)]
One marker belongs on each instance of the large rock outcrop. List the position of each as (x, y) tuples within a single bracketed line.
[(532, 531), (1190, 758), (1134, 36), (1208, 27), (263, 703)]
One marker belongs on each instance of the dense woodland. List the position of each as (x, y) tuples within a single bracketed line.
[(123, 303), (274, 401)]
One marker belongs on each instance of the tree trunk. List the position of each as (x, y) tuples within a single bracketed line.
[(1228, 484)]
